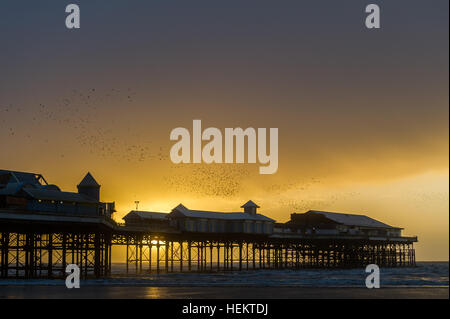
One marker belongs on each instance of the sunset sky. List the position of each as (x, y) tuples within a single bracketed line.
[(362, 114)]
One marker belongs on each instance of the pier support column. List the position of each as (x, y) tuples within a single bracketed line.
[(240, 255), (181, 255), (211, 255), (97, 253), (199, 256), (140, 254), (246, 254), (231, 255), (166, 253), (218, 256), (64, 253), (253, 255), (4, 254), (157, 256), (50, 256), (171, 255), (150, 248), (189, 256), (127, 255)]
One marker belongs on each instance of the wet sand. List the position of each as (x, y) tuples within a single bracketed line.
[(127, 292)]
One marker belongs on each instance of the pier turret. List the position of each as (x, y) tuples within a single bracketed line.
[(250, 208), (89, 187)]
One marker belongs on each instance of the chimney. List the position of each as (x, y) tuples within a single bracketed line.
[(250, 208), (89, 187)]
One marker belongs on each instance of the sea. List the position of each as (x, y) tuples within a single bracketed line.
[(424, 275)]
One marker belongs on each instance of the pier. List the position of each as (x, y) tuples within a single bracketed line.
[(36, 246), (222, 254), (40, 235)]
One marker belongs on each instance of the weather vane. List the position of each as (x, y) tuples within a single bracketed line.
[(137, 204)]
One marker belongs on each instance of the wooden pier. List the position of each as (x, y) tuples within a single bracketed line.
[(157, 253), (42, 245), (43, 229), (34, 246)]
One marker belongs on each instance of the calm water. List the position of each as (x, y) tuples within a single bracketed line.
[(426, 274)]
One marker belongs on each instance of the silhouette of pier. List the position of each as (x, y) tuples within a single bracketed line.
[(43, 229), (38, 246)]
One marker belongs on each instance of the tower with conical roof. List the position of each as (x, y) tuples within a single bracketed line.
[(250, 208), (89, 187)]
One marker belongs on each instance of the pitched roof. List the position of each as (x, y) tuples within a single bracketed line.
[(21, 176), (249, 204), (180, 207), (352, 219), (45, 194), (11, 188), (30, 184), (147, 215), (219, 215), (89, 181)]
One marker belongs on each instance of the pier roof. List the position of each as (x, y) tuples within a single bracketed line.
[(219, 215), (147, 215), (22, 177), (88, 181), (250, 204), (45, 194), (352, 219)]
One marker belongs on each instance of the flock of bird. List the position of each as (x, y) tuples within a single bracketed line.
[(81, 112), (304, 203), (80, 115), (7, 112), (212, 180), (298, 184)]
